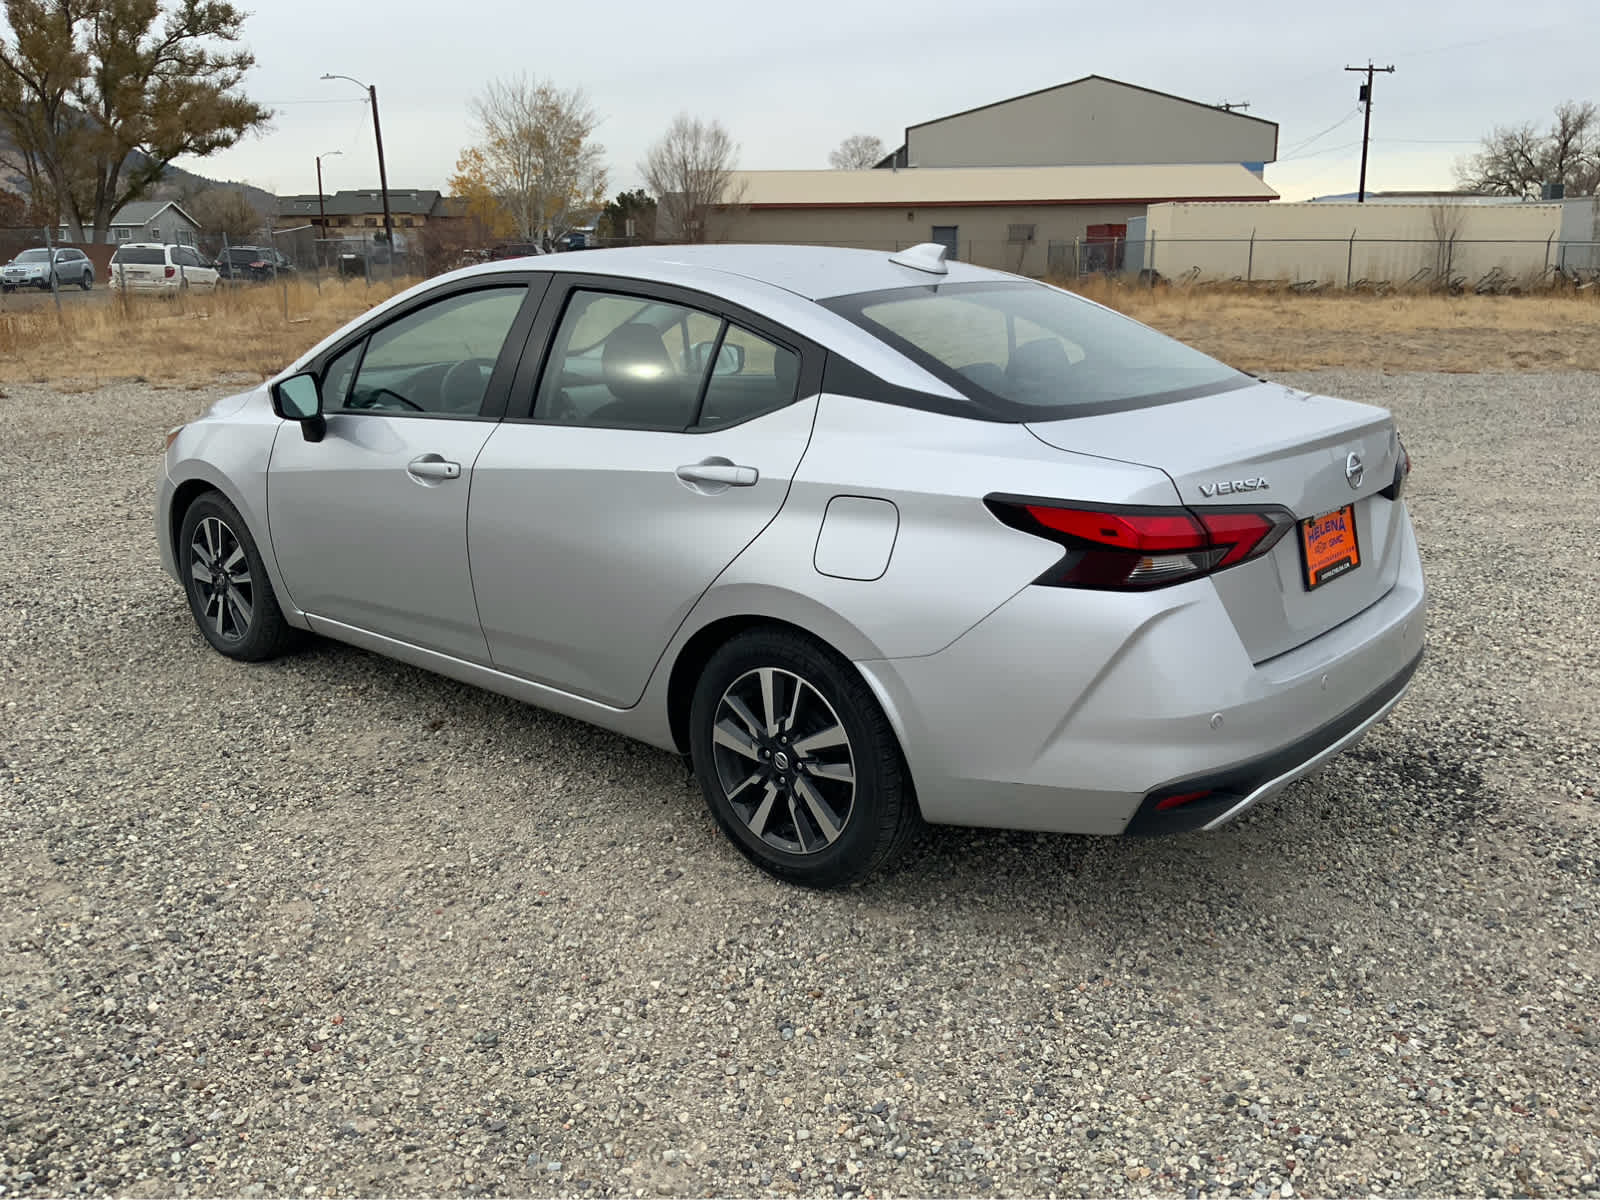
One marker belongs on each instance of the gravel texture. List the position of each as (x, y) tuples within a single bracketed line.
[(335, 926)]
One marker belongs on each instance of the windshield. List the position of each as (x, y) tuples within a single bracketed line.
[(1027, 351), (33, 256)]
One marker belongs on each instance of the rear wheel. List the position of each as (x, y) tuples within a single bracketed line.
[(229, 593), (797, 762), (87, 281)]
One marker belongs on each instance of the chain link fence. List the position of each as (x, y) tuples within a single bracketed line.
[(1363, 264)]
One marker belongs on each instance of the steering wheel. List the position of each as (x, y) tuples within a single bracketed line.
[(470, 378), (383, 391)]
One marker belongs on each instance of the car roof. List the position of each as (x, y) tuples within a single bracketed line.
[(813, 272)]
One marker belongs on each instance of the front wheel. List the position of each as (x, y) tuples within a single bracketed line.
[(797, 762), (227, 585)]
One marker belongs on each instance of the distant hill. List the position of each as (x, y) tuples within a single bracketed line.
[(176, 184)]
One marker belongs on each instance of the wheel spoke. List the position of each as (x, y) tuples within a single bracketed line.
[(755, 778), (799, 827), (794, 706), (724, 734), (769, 705), (833, 735), (824, 818), (222, 607), (234, 560), (742, 711), (211, 528), (842, 772), (241, 610), (241, 578), (758, 819), (198, 568)]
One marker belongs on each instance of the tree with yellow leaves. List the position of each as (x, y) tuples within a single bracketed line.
[(536, 157), (471, 185)]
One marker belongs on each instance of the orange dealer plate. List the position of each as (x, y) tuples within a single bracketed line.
[(1328, 546)]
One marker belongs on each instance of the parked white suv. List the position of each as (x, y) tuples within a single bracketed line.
[(163, 270)]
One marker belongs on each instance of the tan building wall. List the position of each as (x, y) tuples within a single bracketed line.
[(1091, 121), (1339, 243), (981, 230)]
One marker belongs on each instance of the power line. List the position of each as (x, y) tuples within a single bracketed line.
[(1344, 120), (1319, 153), (1365, 96)]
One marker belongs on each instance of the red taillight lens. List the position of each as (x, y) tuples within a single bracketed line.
[(1135, 549), (171, 271), (1181, 799)]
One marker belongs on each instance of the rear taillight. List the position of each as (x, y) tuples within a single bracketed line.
[(1402, 468), (1135, 549), (170, 272)]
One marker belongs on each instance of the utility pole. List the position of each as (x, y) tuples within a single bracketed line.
[(322, 208), (383, 175), (1365, 96)]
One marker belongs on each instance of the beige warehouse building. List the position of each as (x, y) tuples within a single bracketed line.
[(1041, 183), (1031, 220)]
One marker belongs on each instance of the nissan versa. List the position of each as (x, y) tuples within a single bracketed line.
[(870, 538)]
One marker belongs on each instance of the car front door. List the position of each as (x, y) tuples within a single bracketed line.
[(629, 478), (369, 524)]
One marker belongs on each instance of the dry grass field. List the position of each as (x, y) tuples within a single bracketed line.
[(255, 331)]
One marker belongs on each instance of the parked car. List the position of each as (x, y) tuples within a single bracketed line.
[(31, 268), (253, 264), (162, 270), (868, 538)]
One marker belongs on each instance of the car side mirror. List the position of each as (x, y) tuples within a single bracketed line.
[(299, 398), (729, 362)]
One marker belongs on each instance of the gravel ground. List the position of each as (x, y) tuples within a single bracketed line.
[(335, 926)]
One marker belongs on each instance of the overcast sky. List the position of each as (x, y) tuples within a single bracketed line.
[(791, 80)]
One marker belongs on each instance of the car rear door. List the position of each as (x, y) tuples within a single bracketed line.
[(627, 476), (369, 524)]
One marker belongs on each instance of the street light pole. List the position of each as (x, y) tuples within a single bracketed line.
[(383, 175), (322, 209)]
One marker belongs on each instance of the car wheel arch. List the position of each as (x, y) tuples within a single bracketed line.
[(187, 490), (692, 657)]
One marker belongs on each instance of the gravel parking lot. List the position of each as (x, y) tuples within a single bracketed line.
[(332, 925)]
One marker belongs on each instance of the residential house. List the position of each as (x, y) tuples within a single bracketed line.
[(163, 221)]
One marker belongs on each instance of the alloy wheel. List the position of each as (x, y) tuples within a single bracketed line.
[(784, 761), (220, 570)]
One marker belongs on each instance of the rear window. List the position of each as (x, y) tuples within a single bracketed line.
[(140, 255), (1029, 352)]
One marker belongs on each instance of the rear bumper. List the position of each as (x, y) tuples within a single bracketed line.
[(1067, 711), (1232, 792)]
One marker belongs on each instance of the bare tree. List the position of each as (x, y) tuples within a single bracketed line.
[(226, 212), (1517, 160), (857, 152), (539, 156), (1447, 218), (690, 171)]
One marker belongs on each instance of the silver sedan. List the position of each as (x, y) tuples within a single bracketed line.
[(871, 539)]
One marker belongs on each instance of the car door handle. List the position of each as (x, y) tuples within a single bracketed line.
[(433, 467), (726, 474)]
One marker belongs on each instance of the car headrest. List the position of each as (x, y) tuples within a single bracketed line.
[(635, 363)]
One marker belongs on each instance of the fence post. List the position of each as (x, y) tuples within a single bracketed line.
[(1150, 262), (1250, 260), (1349, 259), (1547, 243), (50, 267), (1077, 258)]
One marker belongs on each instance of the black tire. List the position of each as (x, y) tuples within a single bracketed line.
[(87, 281), (874, 823), (211, 532)]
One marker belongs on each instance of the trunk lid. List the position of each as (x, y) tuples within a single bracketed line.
[(1259, 446)]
